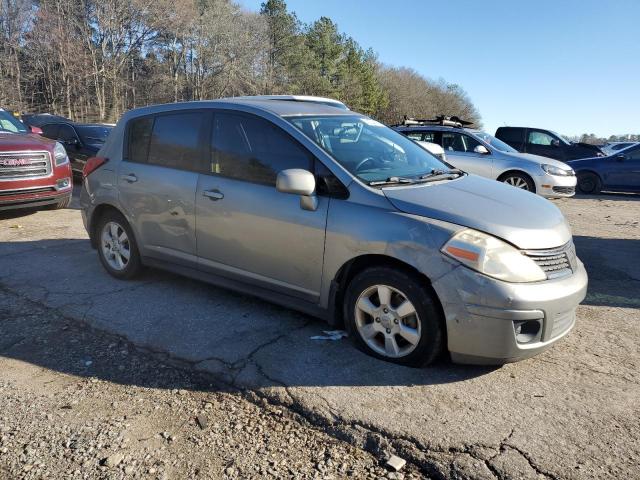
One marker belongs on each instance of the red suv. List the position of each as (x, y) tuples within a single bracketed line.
[(34, 170)]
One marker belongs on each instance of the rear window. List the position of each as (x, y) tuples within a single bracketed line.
[(139, 136), (175, 140), (510, 134)]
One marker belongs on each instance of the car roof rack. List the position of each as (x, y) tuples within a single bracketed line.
[(442, 120)]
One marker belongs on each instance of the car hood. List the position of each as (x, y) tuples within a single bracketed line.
[(23, 141), (524, 219), (537, 159)]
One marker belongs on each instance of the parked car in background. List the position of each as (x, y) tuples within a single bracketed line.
[(9, 124), (545, 143), (619, 172), (330, 212), (38, 119), (610, 148), (34, 171), (81, 140), (478, 152)]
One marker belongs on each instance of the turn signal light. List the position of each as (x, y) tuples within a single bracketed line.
[(93, 164)]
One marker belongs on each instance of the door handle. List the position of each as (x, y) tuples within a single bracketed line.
[(131, 178), (213, 194)]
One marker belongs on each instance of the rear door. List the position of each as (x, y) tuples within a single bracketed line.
[(459, 149), (157, 182), (246, 229), (542, 143)]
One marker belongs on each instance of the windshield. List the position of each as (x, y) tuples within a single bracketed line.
[(93, 133), (369, 150), (494, 142), (9, 123)]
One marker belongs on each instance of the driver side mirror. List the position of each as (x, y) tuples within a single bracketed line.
[(555, 143), (481, 149), (299, 182)]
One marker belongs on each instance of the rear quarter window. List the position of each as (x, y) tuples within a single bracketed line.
[(139, 135)]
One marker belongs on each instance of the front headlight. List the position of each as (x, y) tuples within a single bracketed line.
[(493, 257), (60, 154), (560, 172)]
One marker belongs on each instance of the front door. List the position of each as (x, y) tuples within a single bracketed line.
[(623, 170), (157, 183), (248, 231), (460, 151)]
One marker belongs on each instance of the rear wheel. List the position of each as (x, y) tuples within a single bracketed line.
[(117, 247), (519, 180), (391, 316), (589, 182)]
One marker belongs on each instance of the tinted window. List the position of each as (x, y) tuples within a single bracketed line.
[(510, 134), (139, 136), (540, 138), (458, 142), (50, 131), (66, 133), (252, 149), (175, 140), (93, 133), (633, 154)]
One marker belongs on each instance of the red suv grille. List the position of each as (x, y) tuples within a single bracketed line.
[(20, 165)]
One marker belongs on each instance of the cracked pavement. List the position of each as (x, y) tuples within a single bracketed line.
[(571, 412)]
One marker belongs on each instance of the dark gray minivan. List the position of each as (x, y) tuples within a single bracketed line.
[(330, 212)]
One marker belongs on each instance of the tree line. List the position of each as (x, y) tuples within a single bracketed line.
[(91, 60), (593, 139)]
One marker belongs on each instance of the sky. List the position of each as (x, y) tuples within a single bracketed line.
[(572, 66)]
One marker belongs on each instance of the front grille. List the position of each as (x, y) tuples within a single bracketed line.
[(556, 262), (565, 190), (6, 193), (21, 165)]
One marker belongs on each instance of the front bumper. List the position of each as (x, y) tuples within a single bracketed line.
[(552, 186), (35, 197), (483, 314)]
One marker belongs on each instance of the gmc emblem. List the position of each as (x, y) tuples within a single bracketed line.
[(13, 162)]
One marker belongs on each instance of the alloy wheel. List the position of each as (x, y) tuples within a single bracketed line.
[(115, 245), (517, 182), (387, 321)]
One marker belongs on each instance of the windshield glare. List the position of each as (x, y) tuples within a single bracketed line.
[(494, 142), (9, 123), (369, 150)]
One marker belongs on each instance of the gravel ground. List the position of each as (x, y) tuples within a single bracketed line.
[(91, 367), (98, 407)]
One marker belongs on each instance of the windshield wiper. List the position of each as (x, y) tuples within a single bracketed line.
[(392, 181), (435, 173)]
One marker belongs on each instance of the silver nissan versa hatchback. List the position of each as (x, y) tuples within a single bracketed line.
[(330, 212)]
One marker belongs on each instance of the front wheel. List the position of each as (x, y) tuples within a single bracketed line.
[(589, 182), (117, 247), (391, 316), (519, 180)]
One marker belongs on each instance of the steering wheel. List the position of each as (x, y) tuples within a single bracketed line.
[(364, 162)]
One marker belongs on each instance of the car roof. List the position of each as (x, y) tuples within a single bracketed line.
[(281, 108)]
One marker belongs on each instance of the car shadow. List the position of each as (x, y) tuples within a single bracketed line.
[(613, 265), (613, 196), (242, 340)]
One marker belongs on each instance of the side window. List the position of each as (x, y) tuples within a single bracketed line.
[(457, 142), (414, 135), (634, 154), (175, 140), (139, 135), (327, 183), (50, 131), (511, 135), (67, 133), (422, 136), (253, 149), (539, 138)]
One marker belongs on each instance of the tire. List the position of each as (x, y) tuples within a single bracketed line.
[(589, 182), (424, 327), (113, 255), (519, 180), (62, 203)]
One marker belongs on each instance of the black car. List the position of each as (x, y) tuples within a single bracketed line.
[(81, 140), (619, 172), (546, 143)]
